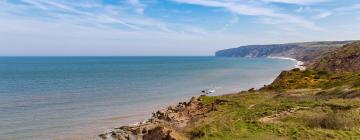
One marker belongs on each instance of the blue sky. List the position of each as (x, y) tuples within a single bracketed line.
[(168, 27)]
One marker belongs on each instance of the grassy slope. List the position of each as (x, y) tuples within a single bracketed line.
[(310, 104), (313, 106), (319, 119)]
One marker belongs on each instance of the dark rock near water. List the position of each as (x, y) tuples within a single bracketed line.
[(159, 133)]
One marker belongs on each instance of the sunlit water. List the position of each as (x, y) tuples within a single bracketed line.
[(80, 97)]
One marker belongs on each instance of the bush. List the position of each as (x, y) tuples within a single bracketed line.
[(251, 90), (307, 73), (292, 81), (295, 70), (316, 77), (356, 83), (197, 134), (331, 121), (323, 73)]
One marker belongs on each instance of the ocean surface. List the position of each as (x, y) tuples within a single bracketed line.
[(79, 97)]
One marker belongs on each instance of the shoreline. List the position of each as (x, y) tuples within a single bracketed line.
[(162, 107), (299, 64), (107, 134)]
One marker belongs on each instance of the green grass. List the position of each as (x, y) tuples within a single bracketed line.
[(239, 118)]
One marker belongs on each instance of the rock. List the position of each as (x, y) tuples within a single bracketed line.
[(137, 131), (159, 133), (177, 116), (251, 90)]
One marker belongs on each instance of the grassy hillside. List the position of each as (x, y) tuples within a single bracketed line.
[(298, 105), (319, 103)]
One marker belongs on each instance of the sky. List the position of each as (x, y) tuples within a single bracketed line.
[(168, 27)]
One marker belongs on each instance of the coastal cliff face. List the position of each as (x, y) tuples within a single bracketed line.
[(345, 59), (306, 52)]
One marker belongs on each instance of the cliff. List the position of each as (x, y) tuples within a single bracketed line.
[(345, 59), (306, 51)]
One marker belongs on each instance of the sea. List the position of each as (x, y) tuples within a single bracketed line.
[(59, 98)]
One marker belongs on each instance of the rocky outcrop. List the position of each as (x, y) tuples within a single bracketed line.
[(181, 114), (306, 52), (146, 131), (165, 123), (345, 59)]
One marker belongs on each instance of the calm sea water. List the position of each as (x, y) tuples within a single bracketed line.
[(80, 97)]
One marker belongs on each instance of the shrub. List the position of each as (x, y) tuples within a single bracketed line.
[(292, 81), (251, 90), (316, 77), (197, 134), (295, 70), (356, 83), (307, 73), (330, 121), (323, 73)]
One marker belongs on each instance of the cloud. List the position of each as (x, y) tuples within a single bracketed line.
[(323, 15), (86, 13), (139, 7), (36, 4), (55, 27), (350, 8), (28, 37), (253, 10), (315, 13), (298, 2), (231, 22)]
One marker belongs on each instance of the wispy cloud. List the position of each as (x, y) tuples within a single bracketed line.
[(323, 14), (246, 8), (99, 15), (139, 7), (231, 22), (314, 13), (299, 2), (350, 8)]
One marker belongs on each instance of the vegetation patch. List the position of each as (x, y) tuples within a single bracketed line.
[(311, 79), (331, 121)]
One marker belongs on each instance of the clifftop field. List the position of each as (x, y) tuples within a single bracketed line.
[(321, 102)]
